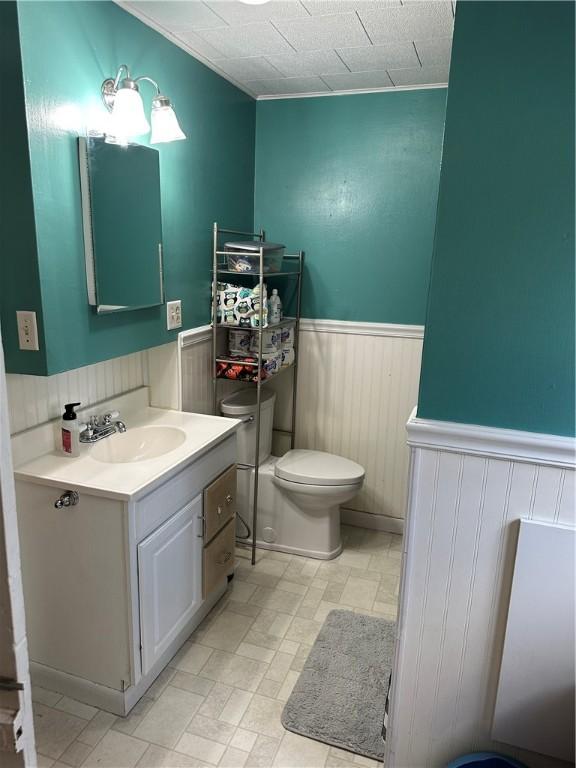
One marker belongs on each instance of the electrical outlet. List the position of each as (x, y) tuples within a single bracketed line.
[(173, 314), (27, 330)]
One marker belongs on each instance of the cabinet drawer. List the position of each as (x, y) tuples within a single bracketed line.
[(218, 558), (159, 505), (219, 502)]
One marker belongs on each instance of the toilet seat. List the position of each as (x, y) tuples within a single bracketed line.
[(317, 468), (317, 490)]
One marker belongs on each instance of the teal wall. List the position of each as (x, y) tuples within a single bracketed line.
[(19, 276), (499, 342), (353, 181), (67, 50)]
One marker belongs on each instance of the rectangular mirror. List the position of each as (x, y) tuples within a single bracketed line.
[(122, 225)]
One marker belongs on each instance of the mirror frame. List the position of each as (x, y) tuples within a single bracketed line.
[(89, 256)]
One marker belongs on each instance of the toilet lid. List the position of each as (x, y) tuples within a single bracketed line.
[(318, 468)]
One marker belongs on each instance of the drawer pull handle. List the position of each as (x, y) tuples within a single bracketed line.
[(219, 510), (229, 499), (226, 556)]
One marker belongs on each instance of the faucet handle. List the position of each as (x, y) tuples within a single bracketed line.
[(109, 417)]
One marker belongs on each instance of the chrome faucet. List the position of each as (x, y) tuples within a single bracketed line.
[(99, 427)]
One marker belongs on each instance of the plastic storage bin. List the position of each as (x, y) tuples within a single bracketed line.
[(244, 256)]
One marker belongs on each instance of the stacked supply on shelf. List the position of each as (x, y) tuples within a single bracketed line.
[(287, 345), (239, 306), (271, 349), (242, 365)]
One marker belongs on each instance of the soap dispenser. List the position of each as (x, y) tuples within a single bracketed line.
[(70, 431)]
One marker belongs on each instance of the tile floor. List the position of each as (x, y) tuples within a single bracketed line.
[(219, 701)]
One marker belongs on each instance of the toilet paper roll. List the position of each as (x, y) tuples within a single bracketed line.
[(287, 337), (288, 357), (271, 364), (270, 342), (238, 341)]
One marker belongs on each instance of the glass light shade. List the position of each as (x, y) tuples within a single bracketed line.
[(165, 126), (128, 118)]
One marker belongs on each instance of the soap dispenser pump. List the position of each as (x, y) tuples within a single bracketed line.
[(70, 431)]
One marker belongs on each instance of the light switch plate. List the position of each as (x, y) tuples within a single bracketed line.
[(173, 314), (27, 330)]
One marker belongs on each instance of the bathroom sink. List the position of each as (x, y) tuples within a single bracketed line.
[(138, 444)]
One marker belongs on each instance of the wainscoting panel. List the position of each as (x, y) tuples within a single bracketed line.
[(460, 542), (33, 400), (358, 383), (357, 387), (196, 370)]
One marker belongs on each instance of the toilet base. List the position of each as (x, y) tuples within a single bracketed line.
[(294, 550), (281, 525)]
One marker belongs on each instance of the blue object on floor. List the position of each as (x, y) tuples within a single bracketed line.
[(485, 760)]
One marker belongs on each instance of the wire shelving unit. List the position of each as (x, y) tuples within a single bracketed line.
[(291, 270)]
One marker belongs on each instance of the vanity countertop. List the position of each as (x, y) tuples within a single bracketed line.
[(125, 480)]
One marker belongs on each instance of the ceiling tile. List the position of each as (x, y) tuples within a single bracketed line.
[(323, 7), (250, 68), (413, 21), (246, 40), (419, 76), (287, 85), (234, 12), (196, 43), (308, 63), (381, 57), (320, 32), (287, 46), (357, 80), (434, 52), (178, 14)]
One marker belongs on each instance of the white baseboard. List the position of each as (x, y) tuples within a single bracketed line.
[(374, 522)]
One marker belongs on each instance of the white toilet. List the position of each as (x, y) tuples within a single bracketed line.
[(299, 494)]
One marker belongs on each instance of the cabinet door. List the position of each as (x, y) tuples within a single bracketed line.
[(170, 580)]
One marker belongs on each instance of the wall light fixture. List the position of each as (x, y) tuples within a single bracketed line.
[(121, 95)]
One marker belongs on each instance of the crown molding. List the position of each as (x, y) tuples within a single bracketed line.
[(355, 92)]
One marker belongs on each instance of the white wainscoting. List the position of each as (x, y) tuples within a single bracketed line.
[(468, 488), (196, 370), (358, 383), (33, 400)]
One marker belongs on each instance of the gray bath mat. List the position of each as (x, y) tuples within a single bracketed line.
[(340, 695)]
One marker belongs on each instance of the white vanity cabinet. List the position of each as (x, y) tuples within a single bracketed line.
[(114, 586)]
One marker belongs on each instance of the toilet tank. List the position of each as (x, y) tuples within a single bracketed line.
[(242, 404)]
